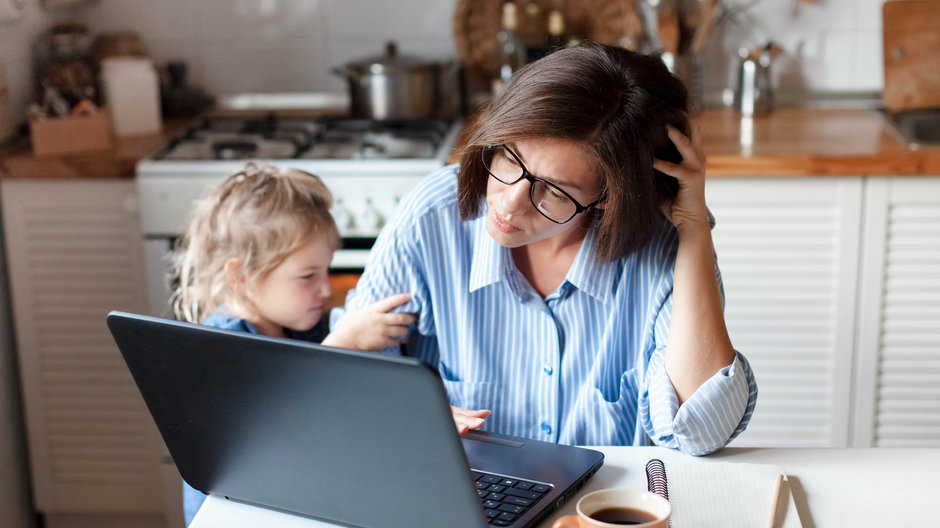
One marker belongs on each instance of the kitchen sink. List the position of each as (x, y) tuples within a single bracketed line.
[(916, 128)]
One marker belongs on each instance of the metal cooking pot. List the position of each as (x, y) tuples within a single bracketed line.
[(392, 86)]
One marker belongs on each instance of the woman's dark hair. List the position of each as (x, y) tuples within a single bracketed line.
[(616, 103)]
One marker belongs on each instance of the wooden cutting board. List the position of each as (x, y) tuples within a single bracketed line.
[(911, 54)]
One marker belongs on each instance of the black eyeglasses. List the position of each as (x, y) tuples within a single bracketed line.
[(548, 199)]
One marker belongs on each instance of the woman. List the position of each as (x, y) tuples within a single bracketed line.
[(563, 274)]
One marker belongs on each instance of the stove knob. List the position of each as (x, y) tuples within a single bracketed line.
[(369, 218), (341, 215)]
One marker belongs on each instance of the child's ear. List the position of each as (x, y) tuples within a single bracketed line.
[(233, 274)]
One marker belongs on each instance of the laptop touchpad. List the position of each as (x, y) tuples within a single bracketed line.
[(492, 438)]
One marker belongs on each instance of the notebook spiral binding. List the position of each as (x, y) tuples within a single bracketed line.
[(656, 481), (656, 478)]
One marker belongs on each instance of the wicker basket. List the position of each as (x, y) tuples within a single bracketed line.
[(476, 23)]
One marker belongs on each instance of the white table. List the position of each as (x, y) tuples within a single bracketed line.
[(833, 487)]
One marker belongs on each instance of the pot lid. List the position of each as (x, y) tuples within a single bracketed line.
[(391, 61)]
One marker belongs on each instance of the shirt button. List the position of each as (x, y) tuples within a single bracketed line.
[(547, 429), (548, 370)]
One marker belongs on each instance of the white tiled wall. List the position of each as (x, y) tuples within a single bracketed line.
[(16, 39), (291, 45), (829, 45)]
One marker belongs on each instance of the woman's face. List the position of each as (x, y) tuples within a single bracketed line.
[(511, 219)]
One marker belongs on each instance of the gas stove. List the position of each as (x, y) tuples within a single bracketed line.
[(368, 165), (273, 137)]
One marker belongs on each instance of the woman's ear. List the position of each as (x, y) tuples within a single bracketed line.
[(234, 275)]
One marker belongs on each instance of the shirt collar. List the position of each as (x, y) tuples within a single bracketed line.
[(492, 263), (590, 275)]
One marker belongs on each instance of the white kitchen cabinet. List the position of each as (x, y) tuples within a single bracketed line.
[(74, 253), (788, 250), (898, 354)]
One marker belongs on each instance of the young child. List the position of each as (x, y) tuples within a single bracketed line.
[(255, 258)]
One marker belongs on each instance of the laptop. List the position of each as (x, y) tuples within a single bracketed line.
[(353, 438)]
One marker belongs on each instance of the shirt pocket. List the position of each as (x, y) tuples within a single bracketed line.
[(473, 395), (616, 386), (607, 415)]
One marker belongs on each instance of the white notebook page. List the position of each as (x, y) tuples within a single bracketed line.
[(726, 495)]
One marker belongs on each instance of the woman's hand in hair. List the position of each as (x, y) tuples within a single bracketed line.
[(687, 210), (372, 327)]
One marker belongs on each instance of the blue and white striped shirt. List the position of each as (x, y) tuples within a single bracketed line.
[(582, 366)]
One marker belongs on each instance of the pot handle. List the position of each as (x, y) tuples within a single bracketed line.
[(347, 72)]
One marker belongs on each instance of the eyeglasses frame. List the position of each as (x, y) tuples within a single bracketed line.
[(532, 179)]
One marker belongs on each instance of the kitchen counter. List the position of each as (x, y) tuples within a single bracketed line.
[(809, 142), (788, 142), (117, 162)]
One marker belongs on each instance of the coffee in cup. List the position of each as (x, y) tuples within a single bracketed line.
[(613, 507)]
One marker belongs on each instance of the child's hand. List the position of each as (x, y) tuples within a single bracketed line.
[(372, 327)]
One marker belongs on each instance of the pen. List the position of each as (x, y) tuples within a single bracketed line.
[(775, 505)]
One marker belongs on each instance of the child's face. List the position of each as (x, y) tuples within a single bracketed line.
[(293, 295)]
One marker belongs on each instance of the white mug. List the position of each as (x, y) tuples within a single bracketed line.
[(612, 507)]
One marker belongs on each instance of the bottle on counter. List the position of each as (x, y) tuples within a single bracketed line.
[(132, 95), (534, 34), (557, 38), (511, 49)]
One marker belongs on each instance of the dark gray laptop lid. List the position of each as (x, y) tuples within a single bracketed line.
[(279, 432)]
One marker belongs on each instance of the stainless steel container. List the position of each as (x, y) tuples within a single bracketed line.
[(393, 86), (754, 89)]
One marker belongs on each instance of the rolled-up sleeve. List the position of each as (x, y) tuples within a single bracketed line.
[(715, 414)]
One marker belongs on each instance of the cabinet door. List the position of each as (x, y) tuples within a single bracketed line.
[(74, 250), (788, 251), (898, 370)]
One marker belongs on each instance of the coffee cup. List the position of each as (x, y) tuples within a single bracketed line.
[(612, 507)]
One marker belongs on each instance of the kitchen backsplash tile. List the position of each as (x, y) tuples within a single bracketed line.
[(16, 41), (19, 75), (161, 19), (380, 20), (835, 64), (287, 67), (869, 68), (270, 21), (869, 15), (823, 48)]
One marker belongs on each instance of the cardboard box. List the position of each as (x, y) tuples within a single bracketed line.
[(68, 135)]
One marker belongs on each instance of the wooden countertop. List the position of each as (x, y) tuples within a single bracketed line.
[(809, 141), (118, 162), (788, 142)]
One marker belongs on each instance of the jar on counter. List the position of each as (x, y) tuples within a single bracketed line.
[(132, 95), (754, 93)]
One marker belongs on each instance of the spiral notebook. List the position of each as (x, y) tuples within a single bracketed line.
[(724, 494)]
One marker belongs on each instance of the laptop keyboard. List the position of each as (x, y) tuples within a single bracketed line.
[(506, 499)]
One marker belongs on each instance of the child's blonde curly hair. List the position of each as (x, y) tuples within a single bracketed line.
[(259, 216)]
